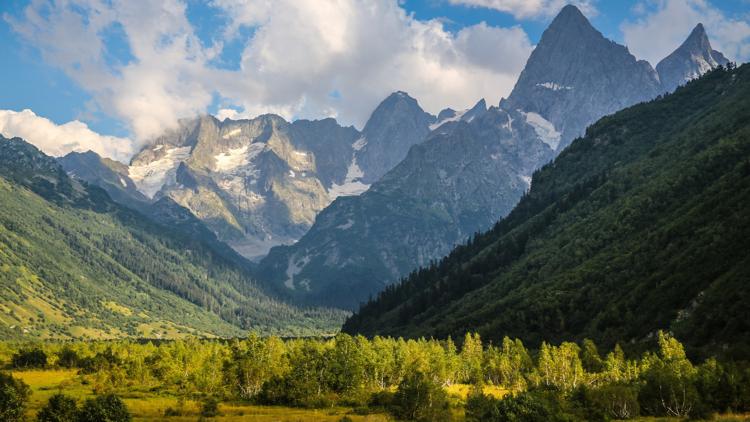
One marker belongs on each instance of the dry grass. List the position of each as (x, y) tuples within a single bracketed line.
[(462, 391), (150, 406)]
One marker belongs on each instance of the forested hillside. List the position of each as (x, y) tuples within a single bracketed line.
[(640, 225), (73, 264)]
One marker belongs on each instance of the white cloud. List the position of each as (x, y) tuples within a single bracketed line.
[(534, 9), (305, 59), (58, 140), (166, 79), (666, 23)]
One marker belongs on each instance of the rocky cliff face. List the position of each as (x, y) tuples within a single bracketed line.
[(395, 125), (261, 182), (692, 59), (112, 176), (256, 183)]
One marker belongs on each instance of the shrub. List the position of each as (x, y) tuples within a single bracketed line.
[(210, 407), (383, 399), (667, 392), (525, 407), (14, 395), (107, 408), (418, 398), (59, 408), (29, 358), (68, 358), (613, 401)]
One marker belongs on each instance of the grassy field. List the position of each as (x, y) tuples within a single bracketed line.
[(151, 406)]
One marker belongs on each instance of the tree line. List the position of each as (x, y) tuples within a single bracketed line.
[(407, 378)]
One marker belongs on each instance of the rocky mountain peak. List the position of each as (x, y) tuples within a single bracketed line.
[(571, 21), (561, 86), (690, 60), (395, 125)]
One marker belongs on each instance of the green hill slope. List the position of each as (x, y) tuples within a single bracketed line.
[(74, 264), (641, 225)]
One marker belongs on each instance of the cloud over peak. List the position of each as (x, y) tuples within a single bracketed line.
[(298, 58), (664, 24), (57, 140), (530, 9)]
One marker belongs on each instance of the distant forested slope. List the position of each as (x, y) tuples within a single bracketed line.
[(73, 264)]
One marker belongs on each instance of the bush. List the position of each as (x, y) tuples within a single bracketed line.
[(210, 407), (667, 392), (107, 408), (383, 399), (418, 398), (14, 395), (29, 358), (59, 408), (525, 407), (607, 402), (68, 358)]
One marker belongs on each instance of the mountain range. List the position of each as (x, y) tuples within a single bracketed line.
[(75, 264), (639, 226), (470, 171), (261, 182), (333, 215)]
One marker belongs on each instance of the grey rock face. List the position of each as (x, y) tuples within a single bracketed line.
[(395, 125), (462, 179), (261, 182), (692, 59), (256, 183), (110, 175), (575, 76)]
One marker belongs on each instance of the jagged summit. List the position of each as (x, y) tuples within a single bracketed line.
[(690, 60), (569, 18), (566, 74), (397, 123)]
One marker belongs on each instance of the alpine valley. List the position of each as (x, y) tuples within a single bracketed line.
[(473, 166), (331, 214), (576, 251)]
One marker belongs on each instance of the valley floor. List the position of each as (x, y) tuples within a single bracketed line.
[(149, 405)]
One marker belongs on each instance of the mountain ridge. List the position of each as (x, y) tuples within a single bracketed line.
[(75, 264), (647, 235)]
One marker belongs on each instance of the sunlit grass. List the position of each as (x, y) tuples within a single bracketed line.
[(462, 390), (146, 405), (152, 405)]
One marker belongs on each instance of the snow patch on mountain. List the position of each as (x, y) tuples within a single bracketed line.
[(543, 128), (455, 118), (231, 159), (294, 267), (359, 144), (232, 133), (149, 178), (554, 86), (346, 226), (352, 185)]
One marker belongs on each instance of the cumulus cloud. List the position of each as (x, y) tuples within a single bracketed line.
[(534, 9), (57, 140), (303, 59), (664, 25)]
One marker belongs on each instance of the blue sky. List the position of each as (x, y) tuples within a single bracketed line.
[(128, 70)]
